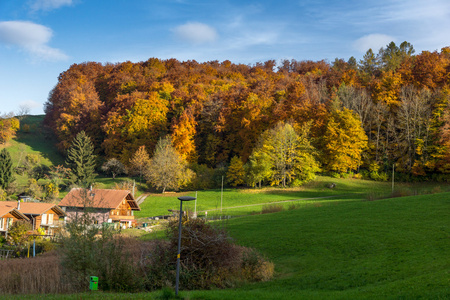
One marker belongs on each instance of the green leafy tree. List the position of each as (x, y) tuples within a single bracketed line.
[(167, 170), (236, 172), (40, 171), (3, 195), (6, 176), (81, 160), (290, 154), (51, 191), (258, 168), (34, 190), (18, 233)]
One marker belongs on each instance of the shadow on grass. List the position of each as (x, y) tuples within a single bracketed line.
[(34, 135)]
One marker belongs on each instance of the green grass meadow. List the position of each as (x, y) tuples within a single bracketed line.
[(237, 202), (394, 248), (387, 249)]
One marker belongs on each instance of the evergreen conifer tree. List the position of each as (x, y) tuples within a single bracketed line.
[(6, 176), (81, 160)]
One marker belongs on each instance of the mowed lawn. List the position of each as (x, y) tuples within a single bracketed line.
[(236, 202), (386, 249)]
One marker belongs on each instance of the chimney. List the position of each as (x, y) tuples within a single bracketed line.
[(18, 205)]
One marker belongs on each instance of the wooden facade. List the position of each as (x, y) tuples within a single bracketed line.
[(104, 206), (44, 216), (9, 215)]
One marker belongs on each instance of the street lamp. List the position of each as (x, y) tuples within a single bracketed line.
[(183, 198)]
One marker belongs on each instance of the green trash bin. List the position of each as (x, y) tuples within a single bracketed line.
[(144, 225), (93, 283)]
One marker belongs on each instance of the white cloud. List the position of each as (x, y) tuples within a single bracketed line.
[(47, 5), (196, 33), (372, 41), (31, 37), (31, 104)]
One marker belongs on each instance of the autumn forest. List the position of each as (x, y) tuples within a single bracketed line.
[(389, 109)]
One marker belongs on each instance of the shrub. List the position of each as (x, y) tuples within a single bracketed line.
[(271, 208), (255, 268), (88, 250), (18, 233), (208, 259)]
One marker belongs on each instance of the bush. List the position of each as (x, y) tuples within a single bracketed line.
[(255, 268), (208, 259), (271, 208), (89, 250)]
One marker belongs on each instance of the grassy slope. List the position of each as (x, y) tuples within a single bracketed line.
[(386, 249), (394, 248), (33, 141), (346, 190), (40, 142)]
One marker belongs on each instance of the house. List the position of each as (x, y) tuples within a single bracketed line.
[(8, 215), (41, 215), (104, 205), (47, 216)]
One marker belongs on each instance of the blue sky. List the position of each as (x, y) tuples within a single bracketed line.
[(39, 39)]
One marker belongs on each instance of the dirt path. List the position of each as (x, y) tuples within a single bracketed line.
[(141, 198)]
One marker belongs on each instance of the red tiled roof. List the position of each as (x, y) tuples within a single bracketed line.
[(34, 208), (98, 198), (7, 207)]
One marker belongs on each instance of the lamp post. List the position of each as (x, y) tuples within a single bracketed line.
[(183, 198)]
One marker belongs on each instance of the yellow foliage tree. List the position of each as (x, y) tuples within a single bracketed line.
[(183, 136), (236, 172), (8, 127), (345, 140)]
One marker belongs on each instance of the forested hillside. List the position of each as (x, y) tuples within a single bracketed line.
[(390, 108)]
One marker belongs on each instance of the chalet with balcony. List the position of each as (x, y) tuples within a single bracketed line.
[(47, 216), (44, 216), (8, 215), (104, 205)]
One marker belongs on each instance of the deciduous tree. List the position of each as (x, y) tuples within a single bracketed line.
[(139, 162), (289, 153), (114, 166), (167, 170), (344, 141), (8, 127), (236, 172)]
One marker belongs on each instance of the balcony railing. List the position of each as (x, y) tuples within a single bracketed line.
[(55, 223), (118, 218)]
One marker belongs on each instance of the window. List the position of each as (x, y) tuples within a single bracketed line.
[(50, 218), (44, 219), (2, 223), (9, 222)]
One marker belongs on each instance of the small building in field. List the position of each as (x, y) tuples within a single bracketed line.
[(8, 215), (103, 205), (41, 215)]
